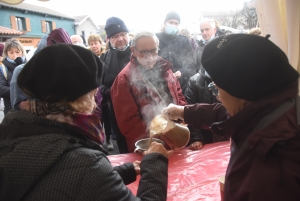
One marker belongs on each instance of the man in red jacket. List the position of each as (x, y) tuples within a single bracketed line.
[(143, 88), (258, 88)]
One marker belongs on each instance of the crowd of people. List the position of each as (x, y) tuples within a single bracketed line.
[(71, 101)]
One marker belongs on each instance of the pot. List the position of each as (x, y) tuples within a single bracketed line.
[(174, 135)]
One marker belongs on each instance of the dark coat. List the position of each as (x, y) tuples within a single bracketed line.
[(269, 167), (197, 90), (5, 84), (43, 159), (178, 51), (198, 55), (132, 96), (113, 63)]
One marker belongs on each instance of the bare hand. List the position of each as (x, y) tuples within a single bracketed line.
[(196, 146), (174, 112), (137, 167), (177, 74), (158, 148)]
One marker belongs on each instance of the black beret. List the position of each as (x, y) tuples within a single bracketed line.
[(61, 72), (172, 16), (247, 66), (115, 25)]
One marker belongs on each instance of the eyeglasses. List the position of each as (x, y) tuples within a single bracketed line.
[(212, 86), (122, 34), (153, 52)]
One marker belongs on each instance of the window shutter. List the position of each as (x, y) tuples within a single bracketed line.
[(13, 22), (44, 26), (53, 25), (28, 27)]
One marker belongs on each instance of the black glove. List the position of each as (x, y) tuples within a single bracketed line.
[(19, 60)]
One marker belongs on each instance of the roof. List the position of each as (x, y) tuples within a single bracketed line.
[(36, 9), (8, 31), (82, 18)]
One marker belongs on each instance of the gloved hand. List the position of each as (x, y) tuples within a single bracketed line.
[(174, 112), (19, 60)]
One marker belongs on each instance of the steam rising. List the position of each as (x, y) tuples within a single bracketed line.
[(152, 92)]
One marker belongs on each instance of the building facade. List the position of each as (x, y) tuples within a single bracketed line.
[(33, 21), (85, 26)]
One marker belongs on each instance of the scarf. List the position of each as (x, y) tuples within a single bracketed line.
[(117, 62), (89, 124)]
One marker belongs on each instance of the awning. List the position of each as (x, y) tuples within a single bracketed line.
[(7, 32), (281, 19)]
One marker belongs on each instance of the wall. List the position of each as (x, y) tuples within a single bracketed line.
[(35, 21), (87, 27)]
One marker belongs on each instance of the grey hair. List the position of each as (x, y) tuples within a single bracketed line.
[(210, 21), (142, 34)]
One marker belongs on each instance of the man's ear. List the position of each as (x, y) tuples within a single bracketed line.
[(215, 30), (132, 50)]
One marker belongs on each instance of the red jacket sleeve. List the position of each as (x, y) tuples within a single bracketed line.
[(127, 113)]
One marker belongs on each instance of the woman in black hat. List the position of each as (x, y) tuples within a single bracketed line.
[(51, 149), (258, 89)]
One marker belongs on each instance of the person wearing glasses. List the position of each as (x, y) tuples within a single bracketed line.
[(143, 88), (114, 60), (258, 89)]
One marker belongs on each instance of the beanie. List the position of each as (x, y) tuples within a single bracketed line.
[(115, 25), (247, 66), (58, 35), (61, 72), (1, 49), (172, 16)]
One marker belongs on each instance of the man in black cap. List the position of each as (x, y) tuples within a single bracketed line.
[(259, 89), (114, 60), (176, 49)]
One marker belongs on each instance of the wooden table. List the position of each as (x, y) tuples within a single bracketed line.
[(193, 175)]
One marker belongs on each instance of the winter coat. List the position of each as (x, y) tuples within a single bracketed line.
[(197, 90), (113, 62), (43, 159), (178, 51), (136, 102), (268, 168), (5, 84)]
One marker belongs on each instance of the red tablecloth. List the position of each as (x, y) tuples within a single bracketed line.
[(193, 175)]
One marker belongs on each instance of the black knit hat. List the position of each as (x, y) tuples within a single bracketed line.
[(247, 66), (172, 16), (115, 25), (61, 72)]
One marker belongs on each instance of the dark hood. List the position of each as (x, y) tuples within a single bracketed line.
[(58, 36)]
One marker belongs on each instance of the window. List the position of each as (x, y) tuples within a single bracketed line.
[(83, 34), (20, 23), (48, 27)]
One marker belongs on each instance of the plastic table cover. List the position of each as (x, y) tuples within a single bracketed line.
[(192, 175)]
